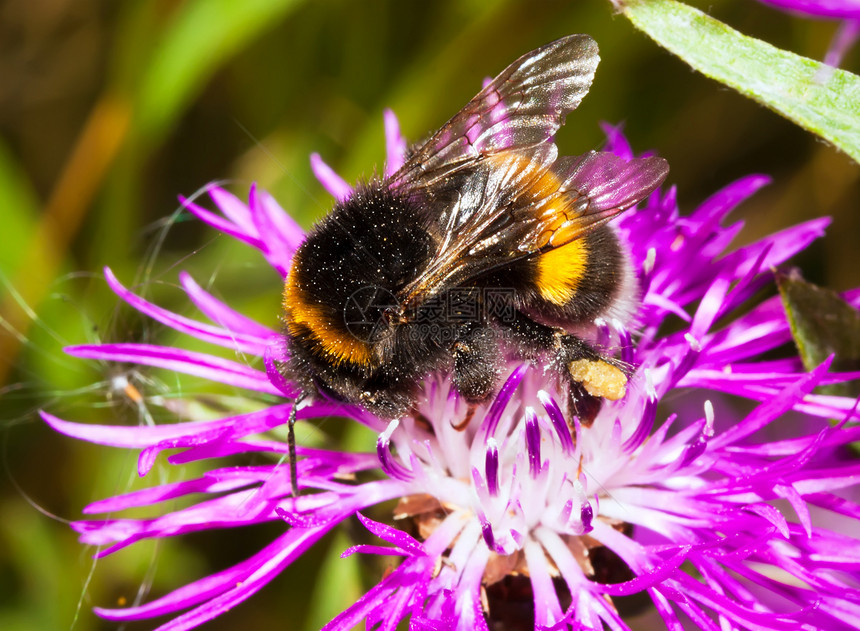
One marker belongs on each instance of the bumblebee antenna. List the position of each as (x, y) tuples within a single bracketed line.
[(291, 443)]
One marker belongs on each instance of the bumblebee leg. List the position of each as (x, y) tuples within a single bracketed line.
[(291, 446), (470, 412), (593, 377), (475, 363), (582, 405), (601, 378)]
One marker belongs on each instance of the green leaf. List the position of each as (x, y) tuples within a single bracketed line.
[(821, 99), (199, 38), (822, 324)]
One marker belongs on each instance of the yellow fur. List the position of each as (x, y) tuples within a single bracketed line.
[(305, 318)]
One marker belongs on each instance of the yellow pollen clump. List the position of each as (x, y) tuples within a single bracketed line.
[(599, 378)]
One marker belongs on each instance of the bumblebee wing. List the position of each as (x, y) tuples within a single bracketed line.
[(489, 226), (593, 188), (522, 107)]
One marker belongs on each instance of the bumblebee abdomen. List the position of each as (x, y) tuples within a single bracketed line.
[(559, 272), (588, 278)]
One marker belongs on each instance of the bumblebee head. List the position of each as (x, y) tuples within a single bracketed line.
[(371, 313)]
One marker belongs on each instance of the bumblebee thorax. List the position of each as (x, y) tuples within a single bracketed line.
[(341, 296)]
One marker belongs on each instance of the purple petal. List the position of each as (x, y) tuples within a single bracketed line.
[(234, 209), (781, 246), (666, 304), (558, 422), (820, 480), (792, 446), (491, 467), (647, 579), (198, 591), (331, 181), (277, 248), (709, 308), (735, 611), (488, 536), (616, 142), (189, 362), (234, 340), (717, 206), (586, 515), (748, 285), (118, 436), (834, 503), (217, 481), (289, 232), (221, 224), (491, 420), (418, 568), (395, 144), (533, 438), (546, 606), (276, 377), (646, 419), (786, 491), (137, 437), (771, 514), (664, 608), (224, 590), (393, 536), (821, 8), (220, 313), (767, 412), (844, 39), (389, 463), (369, 549)]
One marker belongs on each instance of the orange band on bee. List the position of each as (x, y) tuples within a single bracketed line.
[(559, 270), (307, 319)]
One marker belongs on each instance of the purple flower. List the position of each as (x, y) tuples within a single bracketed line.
[(846, 10), (670, 493)]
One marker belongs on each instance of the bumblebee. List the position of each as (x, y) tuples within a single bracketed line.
[(485, 245)]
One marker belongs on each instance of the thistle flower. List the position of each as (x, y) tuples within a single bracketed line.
[(678, 498), (846, 10)]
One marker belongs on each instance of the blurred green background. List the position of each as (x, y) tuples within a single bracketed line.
[(109, 110)]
